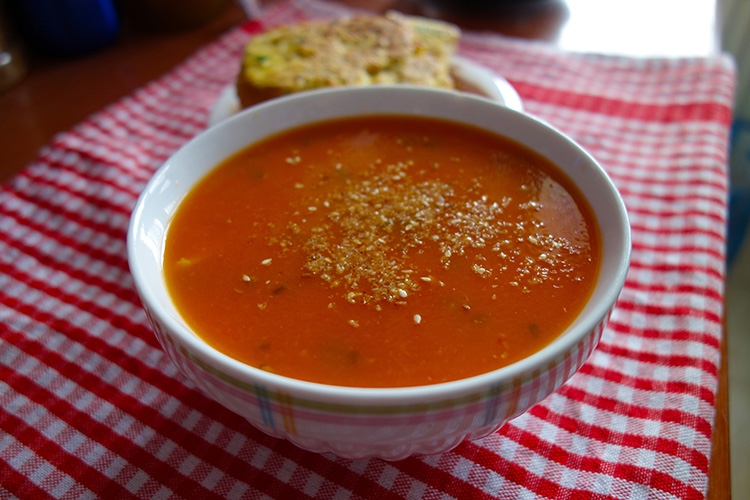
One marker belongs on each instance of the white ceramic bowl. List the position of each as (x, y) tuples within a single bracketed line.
[(355, 422)]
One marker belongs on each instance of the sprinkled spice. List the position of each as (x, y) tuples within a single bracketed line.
[(384, 206), (360, 229)]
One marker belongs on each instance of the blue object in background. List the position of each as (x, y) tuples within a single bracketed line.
[(739, 194), (67, 27)]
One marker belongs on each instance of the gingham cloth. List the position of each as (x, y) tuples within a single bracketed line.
[(92, 408)]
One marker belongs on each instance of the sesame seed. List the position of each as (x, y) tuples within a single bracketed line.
[(402, 293), (266, 262), (245, 277), (354, 323), (417, 319)]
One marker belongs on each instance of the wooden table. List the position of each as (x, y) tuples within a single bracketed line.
[(59, 93)]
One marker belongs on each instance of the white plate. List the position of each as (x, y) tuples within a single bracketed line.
[(467, 73)]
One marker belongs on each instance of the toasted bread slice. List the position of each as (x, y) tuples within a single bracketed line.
[(362, 50)]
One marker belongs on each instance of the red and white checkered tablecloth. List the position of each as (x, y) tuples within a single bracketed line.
[(90, 407)]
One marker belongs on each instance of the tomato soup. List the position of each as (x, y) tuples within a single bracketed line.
[(382, 251)]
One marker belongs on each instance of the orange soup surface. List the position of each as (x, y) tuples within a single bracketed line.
[(382, 252)]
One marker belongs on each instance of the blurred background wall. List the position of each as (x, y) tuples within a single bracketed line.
[(735, 19)]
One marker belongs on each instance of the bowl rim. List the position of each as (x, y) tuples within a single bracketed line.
[(351, 396)]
